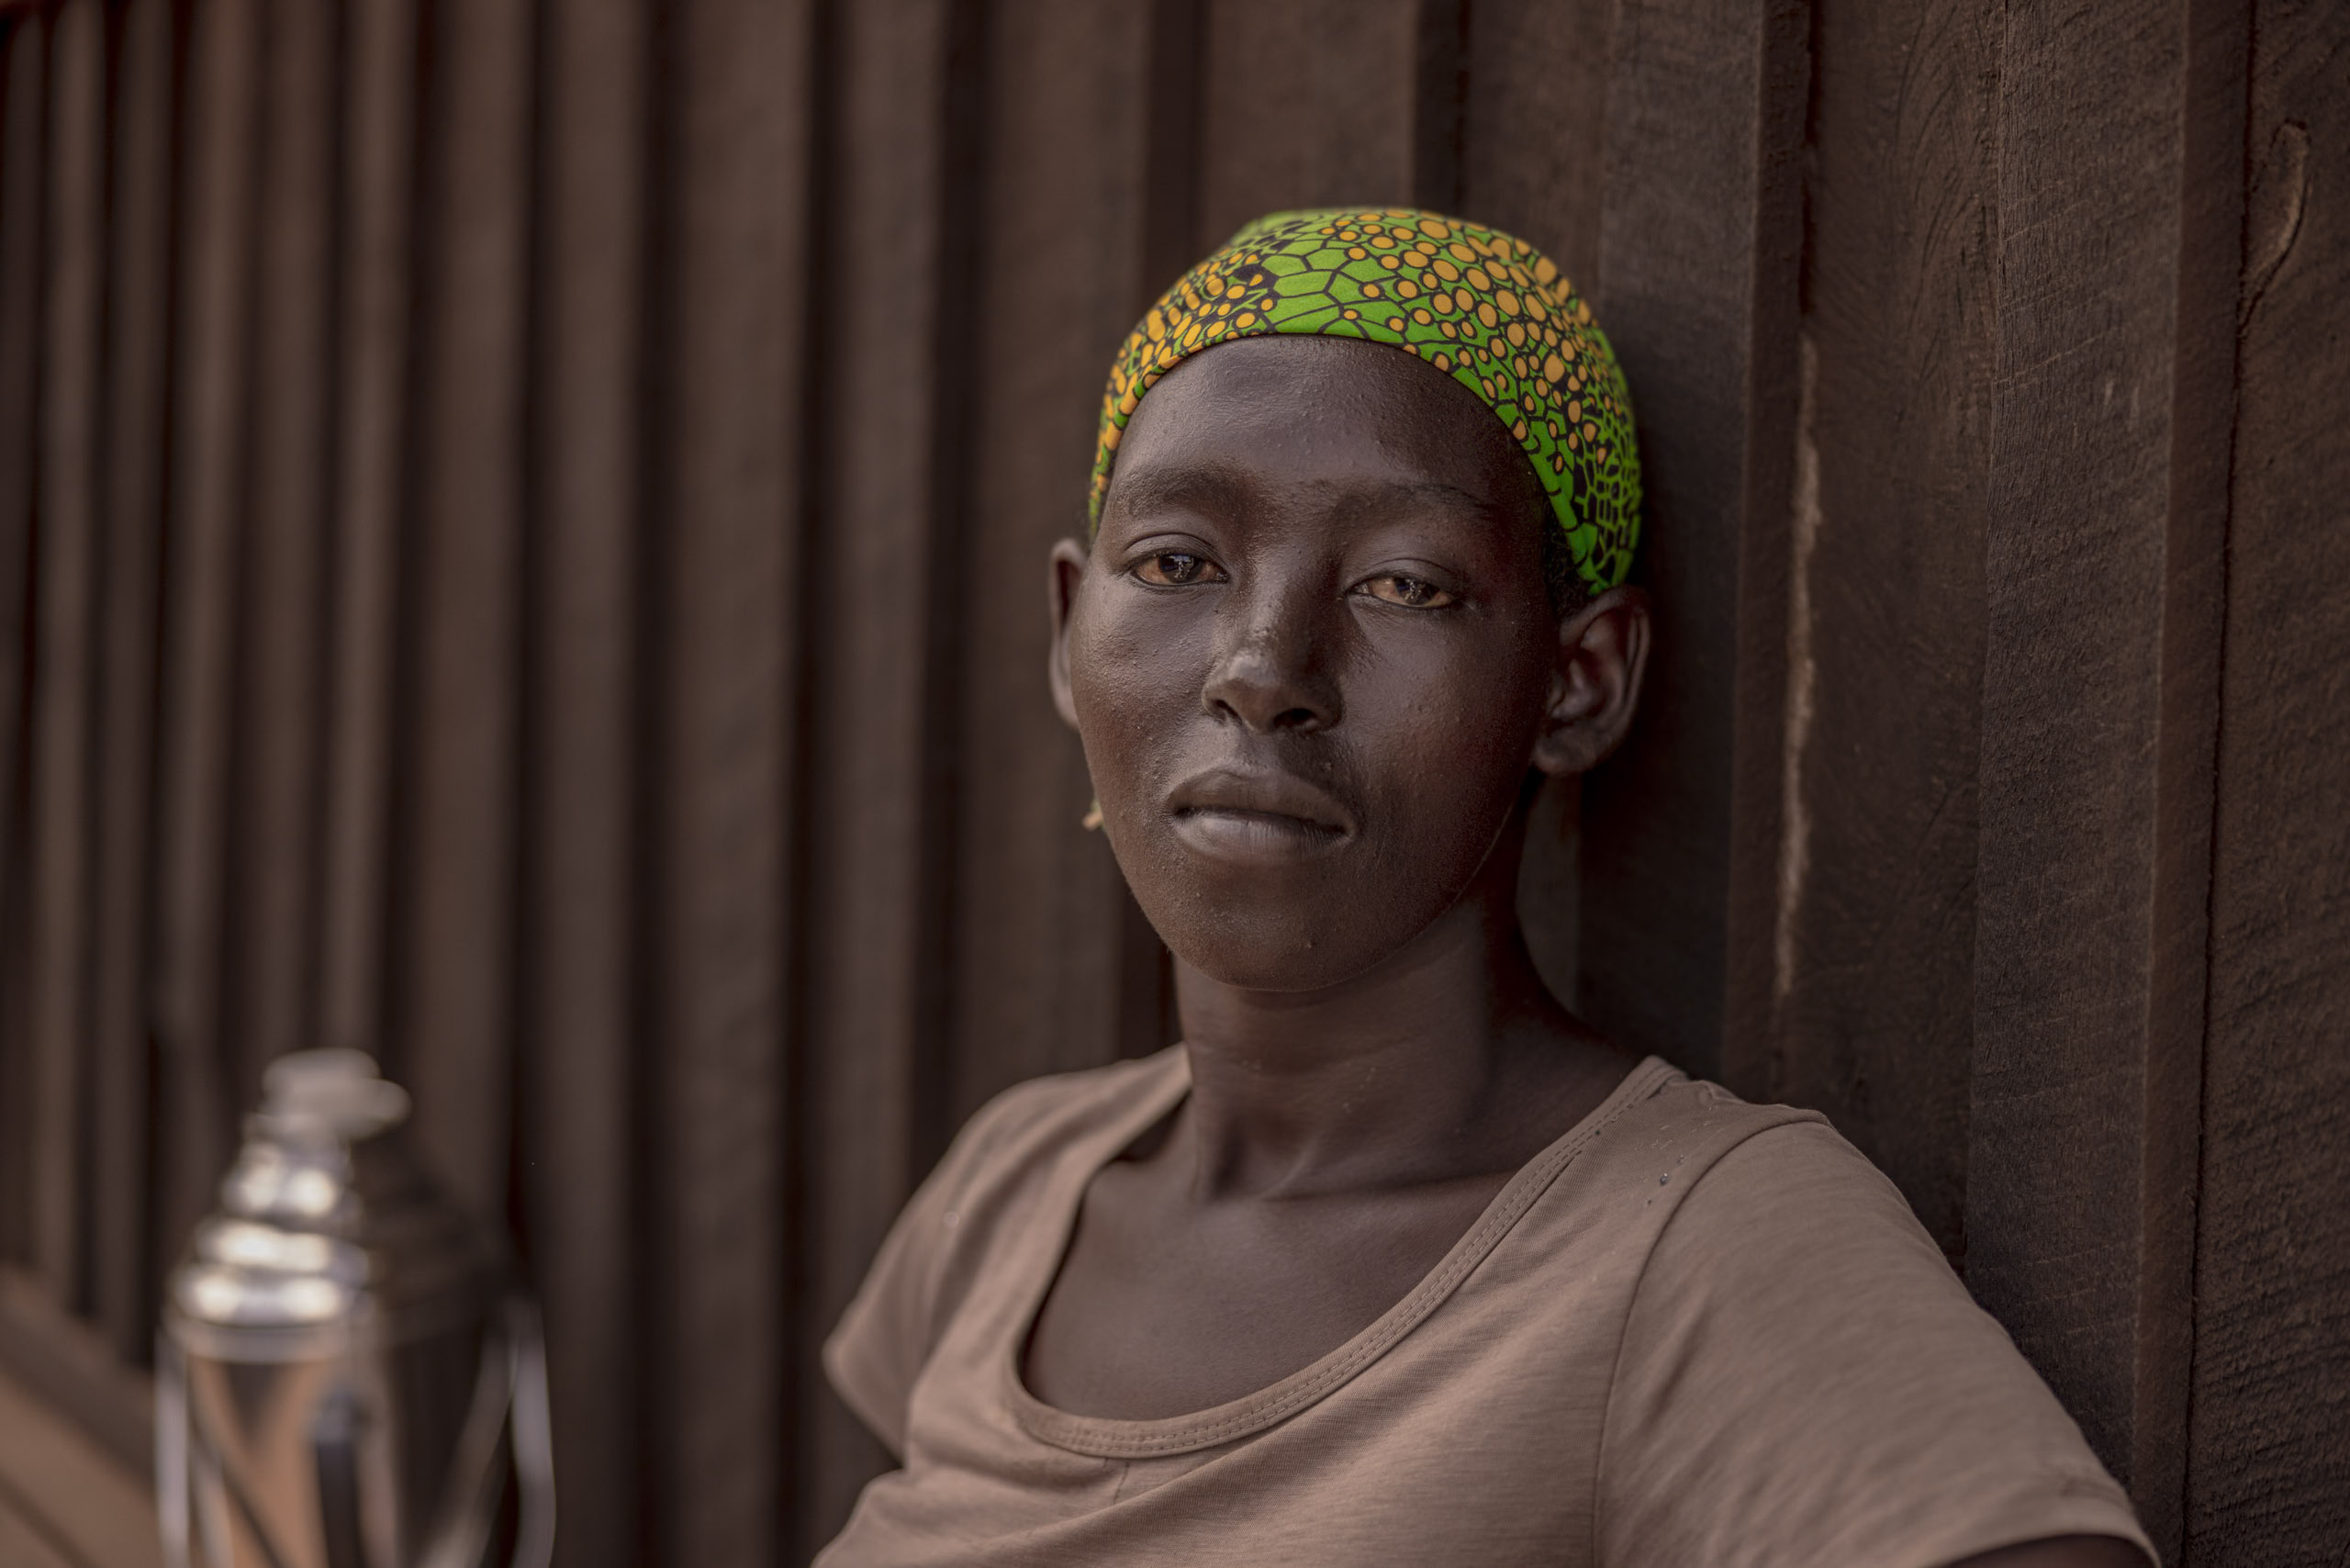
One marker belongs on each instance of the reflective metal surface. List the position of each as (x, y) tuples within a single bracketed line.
[(346, 1377)]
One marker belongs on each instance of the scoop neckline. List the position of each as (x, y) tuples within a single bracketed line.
[(1104, 1436)]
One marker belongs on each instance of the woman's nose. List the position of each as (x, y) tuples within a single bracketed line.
[(1273, 672)]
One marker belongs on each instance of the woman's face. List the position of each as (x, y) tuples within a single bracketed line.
[(1310, 654)]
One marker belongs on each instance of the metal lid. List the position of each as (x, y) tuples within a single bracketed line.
[(324, 1222)]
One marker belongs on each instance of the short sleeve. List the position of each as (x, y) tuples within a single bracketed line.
[(1803, 1381), (884, 1338)]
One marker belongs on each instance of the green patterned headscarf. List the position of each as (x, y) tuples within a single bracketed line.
[(1483, 307)]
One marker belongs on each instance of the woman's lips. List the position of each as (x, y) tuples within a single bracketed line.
[(1256, 815)]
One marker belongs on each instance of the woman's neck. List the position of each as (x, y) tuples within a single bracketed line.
[(1443, 1061)]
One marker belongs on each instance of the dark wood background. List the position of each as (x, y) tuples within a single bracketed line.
[(520, 540)]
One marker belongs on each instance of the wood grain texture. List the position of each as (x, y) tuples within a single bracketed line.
[(372, 480), (1534, 129), (137, 445), (1039, 904), (1305, 102), (279, 652), (2101, 561), (1174, 58), (453, 846), (2202, 417), (75, 1501), (725, 574), (1871, 954), (582, 1212), (1697, 288), (2268, 1476), (877, 554), (25, 1535), (67, 1363), (22, 169), (67, 582), (200, 609)]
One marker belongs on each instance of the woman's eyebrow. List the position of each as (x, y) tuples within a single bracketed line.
[(1436, 492), (1216, 491), (1404, 495), (1207, 488)]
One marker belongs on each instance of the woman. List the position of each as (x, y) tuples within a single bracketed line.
[(1393, 1259)]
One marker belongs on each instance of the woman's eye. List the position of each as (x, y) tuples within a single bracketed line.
[(1413, 593), (1175, 568)]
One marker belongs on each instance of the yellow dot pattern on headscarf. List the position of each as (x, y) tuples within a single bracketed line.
[(1483, 307)]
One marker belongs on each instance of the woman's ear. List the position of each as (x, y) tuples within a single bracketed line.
[(1066, 570), (1603, 652)]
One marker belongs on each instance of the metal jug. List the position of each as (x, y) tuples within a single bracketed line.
[(346, 1376)]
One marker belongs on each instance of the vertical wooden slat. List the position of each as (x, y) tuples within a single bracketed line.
[(1697, 290), (372, 487), (65, 612), (21, 172), (2269, 1464), (726, 571), (1534, 155), (201, 607), (1439, 111), (1174, 58), (1306, 102), (2096, 722), (580, 894), (875, 544), (1870, 1016), (279, 657), (2215, 39), (456, 861), (1039, 903), (138, 274)]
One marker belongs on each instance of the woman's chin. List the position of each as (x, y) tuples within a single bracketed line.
[(1274, 954), (1271, 908)]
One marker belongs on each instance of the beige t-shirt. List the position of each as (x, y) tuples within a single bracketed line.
[(1691, 1333)]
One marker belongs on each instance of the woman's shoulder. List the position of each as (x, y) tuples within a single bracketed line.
[(1007, 1156), (1726, 1184), (1032, 1122), (1662, 1131), (1794, 1333), (982, 1196), (1748, 1178)]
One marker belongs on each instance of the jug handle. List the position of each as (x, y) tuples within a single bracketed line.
[(511, 1395)]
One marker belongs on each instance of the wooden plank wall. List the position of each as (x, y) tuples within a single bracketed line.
[(521, 527), (2269, 1434)]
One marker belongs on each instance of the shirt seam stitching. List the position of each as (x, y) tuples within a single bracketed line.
[(1040, 1421)]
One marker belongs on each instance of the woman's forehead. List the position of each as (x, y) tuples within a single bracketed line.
[(1347, 369), (1306, 411)]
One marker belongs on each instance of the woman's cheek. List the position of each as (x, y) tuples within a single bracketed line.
[(1129, 716)]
